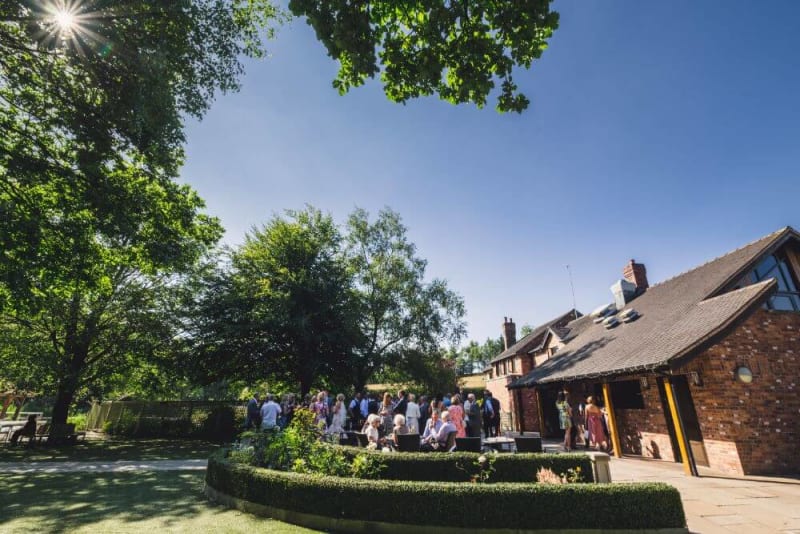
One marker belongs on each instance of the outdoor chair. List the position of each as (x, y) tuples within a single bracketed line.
[(362, 439), (349, 438), (528, 444), (63, 434), (408, 442), (450, 444), (468, 444)]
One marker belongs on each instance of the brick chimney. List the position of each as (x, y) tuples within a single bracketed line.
[(636, 273), (509, 332)]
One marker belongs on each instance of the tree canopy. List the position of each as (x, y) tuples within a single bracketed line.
[(303, 302), (458, 49)]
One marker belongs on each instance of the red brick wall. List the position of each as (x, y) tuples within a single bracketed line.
[(760, 420)]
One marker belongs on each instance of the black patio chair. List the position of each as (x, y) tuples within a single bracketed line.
[(408, 442), (528, 444), (468, 444), (450, 444), (362, 439), (349, 438)]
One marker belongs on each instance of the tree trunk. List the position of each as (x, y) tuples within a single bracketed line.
[(64, 397)]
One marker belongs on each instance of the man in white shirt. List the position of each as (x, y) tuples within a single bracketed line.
[(269, 413)]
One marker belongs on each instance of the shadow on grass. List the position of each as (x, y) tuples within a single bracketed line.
[(104, 450), (64, 502)]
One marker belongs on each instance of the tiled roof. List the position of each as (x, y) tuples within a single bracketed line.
[(533, 339), (675, 317)]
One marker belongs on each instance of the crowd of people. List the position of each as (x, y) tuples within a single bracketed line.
[(583, 424), (382, 418)]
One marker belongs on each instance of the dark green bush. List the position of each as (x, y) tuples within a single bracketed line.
[(503, 505), (458, 466)]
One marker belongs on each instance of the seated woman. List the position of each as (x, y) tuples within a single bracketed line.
[(399, 426), (28, 430), (431, 428), (374, 440)]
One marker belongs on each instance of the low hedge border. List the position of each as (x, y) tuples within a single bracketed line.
[(444, 467), (606, 507)]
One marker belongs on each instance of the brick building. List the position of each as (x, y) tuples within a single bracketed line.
[(518, 358), (701, 369)]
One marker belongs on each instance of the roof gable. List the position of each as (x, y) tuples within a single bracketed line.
[(675, 316)]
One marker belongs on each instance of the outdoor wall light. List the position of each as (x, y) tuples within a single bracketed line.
[(643, 383), (695, 378), (743, 374)]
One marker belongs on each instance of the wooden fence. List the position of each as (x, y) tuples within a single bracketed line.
[(208, 419)]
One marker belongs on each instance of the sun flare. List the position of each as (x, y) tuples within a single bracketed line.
[(65, 20)]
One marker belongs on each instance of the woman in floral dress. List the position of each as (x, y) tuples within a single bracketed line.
[(457, 416)]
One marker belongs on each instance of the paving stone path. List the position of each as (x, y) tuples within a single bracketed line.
[(103, 467), (715, 504)]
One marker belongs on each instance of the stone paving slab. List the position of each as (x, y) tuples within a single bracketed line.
[(722, 505)]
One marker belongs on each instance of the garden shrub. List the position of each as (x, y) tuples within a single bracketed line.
[(461, 466), (496, 506)]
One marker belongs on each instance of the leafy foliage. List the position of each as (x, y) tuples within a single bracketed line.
[(459, 49), (301, 448), (403, 319), (301, 303)]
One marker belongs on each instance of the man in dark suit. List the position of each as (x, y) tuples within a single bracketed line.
[(424, 411), (487, 409), (402, 403), (496, 418), (253, 412)]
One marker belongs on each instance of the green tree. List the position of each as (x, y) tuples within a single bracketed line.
[(399, 313), (458, 49), (475, 357), (91, 218), (285, 308)]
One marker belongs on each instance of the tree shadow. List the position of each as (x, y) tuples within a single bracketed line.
[(65, 501), (105, 450)]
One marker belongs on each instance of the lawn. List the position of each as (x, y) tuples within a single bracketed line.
[(166, 501), (108, 450)]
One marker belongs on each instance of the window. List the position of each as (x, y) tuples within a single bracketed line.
[(512, 364), (627, 395), (787, 297)]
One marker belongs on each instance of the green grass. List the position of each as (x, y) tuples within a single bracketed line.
[(166, 501), (107, 450)]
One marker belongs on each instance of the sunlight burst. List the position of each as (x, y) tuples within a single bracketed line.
[(65, 20)]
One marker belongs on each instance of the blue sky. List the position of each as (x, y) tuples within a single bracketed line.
[(668, 132)]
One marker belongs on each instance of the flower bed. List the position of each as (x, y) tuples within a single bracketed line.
[(352, 504)]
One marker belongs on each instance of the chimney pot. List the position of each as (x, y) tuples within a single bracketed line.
[(636, 273), (509, 332)]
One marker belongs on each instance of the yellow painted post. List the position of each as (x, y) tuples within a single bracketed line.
[(612, 421), (676, 423)]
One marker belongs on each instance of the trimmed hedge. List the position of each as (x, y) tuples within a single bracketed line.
[(504, 505), (450, 467)]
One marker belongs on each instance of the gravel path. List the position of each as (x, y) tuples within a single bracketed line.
[(103, 467)]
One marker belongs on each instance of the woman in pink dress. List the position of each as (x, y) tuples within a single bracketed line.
[(457, 416), (594, 423)]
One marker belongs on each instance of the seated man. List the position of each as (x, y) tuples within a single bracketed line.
[(438, 440), (28, 430)]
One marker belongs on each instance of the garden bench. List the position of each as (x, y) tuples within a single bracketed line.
[(60, 434)]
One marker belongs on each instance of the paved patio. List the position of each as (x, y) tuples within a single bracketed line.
[(716, 504)]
